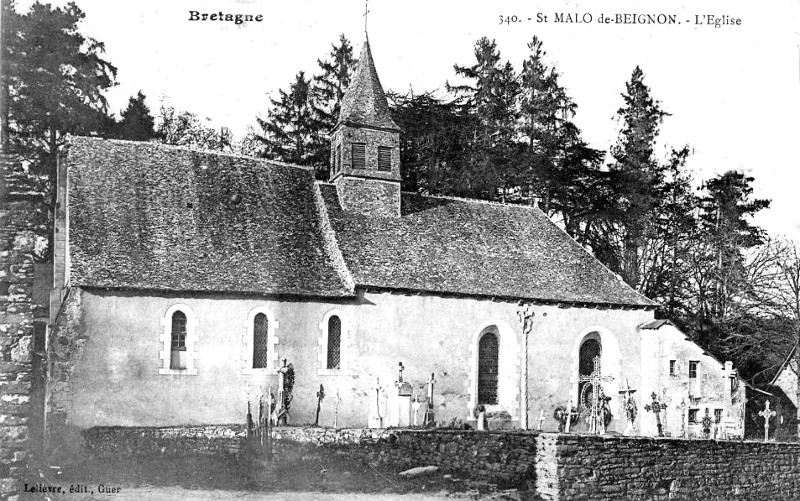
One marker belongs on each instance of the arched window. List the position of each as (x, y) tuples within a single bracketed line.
[(177, 359), (260, 341), (488, 352), (334, 357)]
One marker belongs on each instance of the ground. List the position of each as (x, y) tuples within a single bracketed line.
[(206, 478)]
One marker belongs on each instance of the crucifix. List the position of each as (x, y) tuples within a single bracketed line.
[(656, 407), (596, 379), (320, 398), (767, 414), (629, 404)]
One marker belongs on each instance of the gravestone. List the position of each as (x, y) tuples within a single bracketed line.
[(402, 414)]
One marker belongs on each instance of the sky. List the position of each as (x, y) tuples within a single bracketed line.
[(733, 91)]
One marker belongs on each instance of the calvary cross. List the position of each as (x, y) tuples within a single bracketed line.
[(596, 378), (767, 414)]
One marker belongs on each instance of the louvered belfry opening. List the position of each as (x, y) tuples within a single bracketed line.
[(260, 333), (488, 353), (359, 154), (334, 342), (384, 159)]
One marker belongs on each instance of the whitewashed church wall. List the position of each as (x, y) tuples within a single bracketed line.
[(115, 377), (710, 388)]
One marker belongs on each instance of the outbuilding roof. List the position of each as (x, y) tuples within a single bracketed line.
[(153, 217)]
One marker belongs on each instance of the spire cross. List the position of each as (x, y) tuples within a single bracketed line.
[(366, 11)]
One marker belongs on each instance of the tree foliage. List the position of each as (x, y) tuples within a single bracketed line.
[(136, 122)]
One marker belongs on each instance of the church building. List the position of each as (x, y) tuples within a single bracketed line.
[(185, 280)]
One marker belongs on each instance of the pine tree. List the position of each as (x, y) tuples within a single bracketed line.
[(561, 170), (136, 124), (491, 96), (327, 91), (638, 179), (289, 131)]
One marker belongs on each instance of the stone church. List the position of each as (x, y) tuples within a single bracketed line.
[(184, 280)]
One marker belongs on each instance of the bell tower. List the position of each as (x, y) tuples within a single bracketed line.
[(365, 146)]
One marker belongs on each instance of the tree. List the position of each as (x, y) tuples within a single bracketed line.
[(54, 78), (182, 128), (290, 130), (136, 124), (491, 96), (560, 169), (637, 179), (327, 92), (434, 146)]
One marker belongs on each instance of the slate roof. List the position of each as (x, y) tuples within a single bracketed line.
[(472, 247), (364, 102), (152, 217), (148, 216)]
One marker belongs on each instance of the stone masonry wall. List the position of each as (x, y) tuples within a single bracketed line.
[(555, 466), (17, 241), (175, 440), (602, 468)]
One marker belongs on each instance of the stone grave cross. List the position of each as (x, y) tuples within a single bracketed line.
[(336, 409), (684, 417), (428, 418), (541, 419), (656, 407), (375, 418), (596, 378), (767, 414)]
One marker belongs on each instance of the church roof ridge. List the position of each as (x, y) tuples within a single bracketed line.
[(364, 101), (188, 149)]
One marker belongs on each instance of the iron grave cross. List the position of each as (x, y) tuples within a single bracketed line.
[(656, 407), (595, 379), (767, 414)]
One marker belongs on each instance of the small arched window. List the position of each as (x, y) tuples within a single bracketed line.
[(334, 357), (260, 341), (488, 354), (178, 357)]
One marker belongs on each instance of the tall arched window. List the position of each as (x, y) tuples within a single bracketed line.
[(260, 341), (334, 357), (488, 352), (178, 357)]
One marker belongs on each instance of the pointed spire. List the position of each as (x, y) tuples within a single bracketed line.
[(364, 102)]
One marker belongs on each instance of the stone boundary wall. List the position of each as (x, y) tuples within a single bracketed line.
[(17, 245), (556, 466), (177, 440), (602, 468)]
